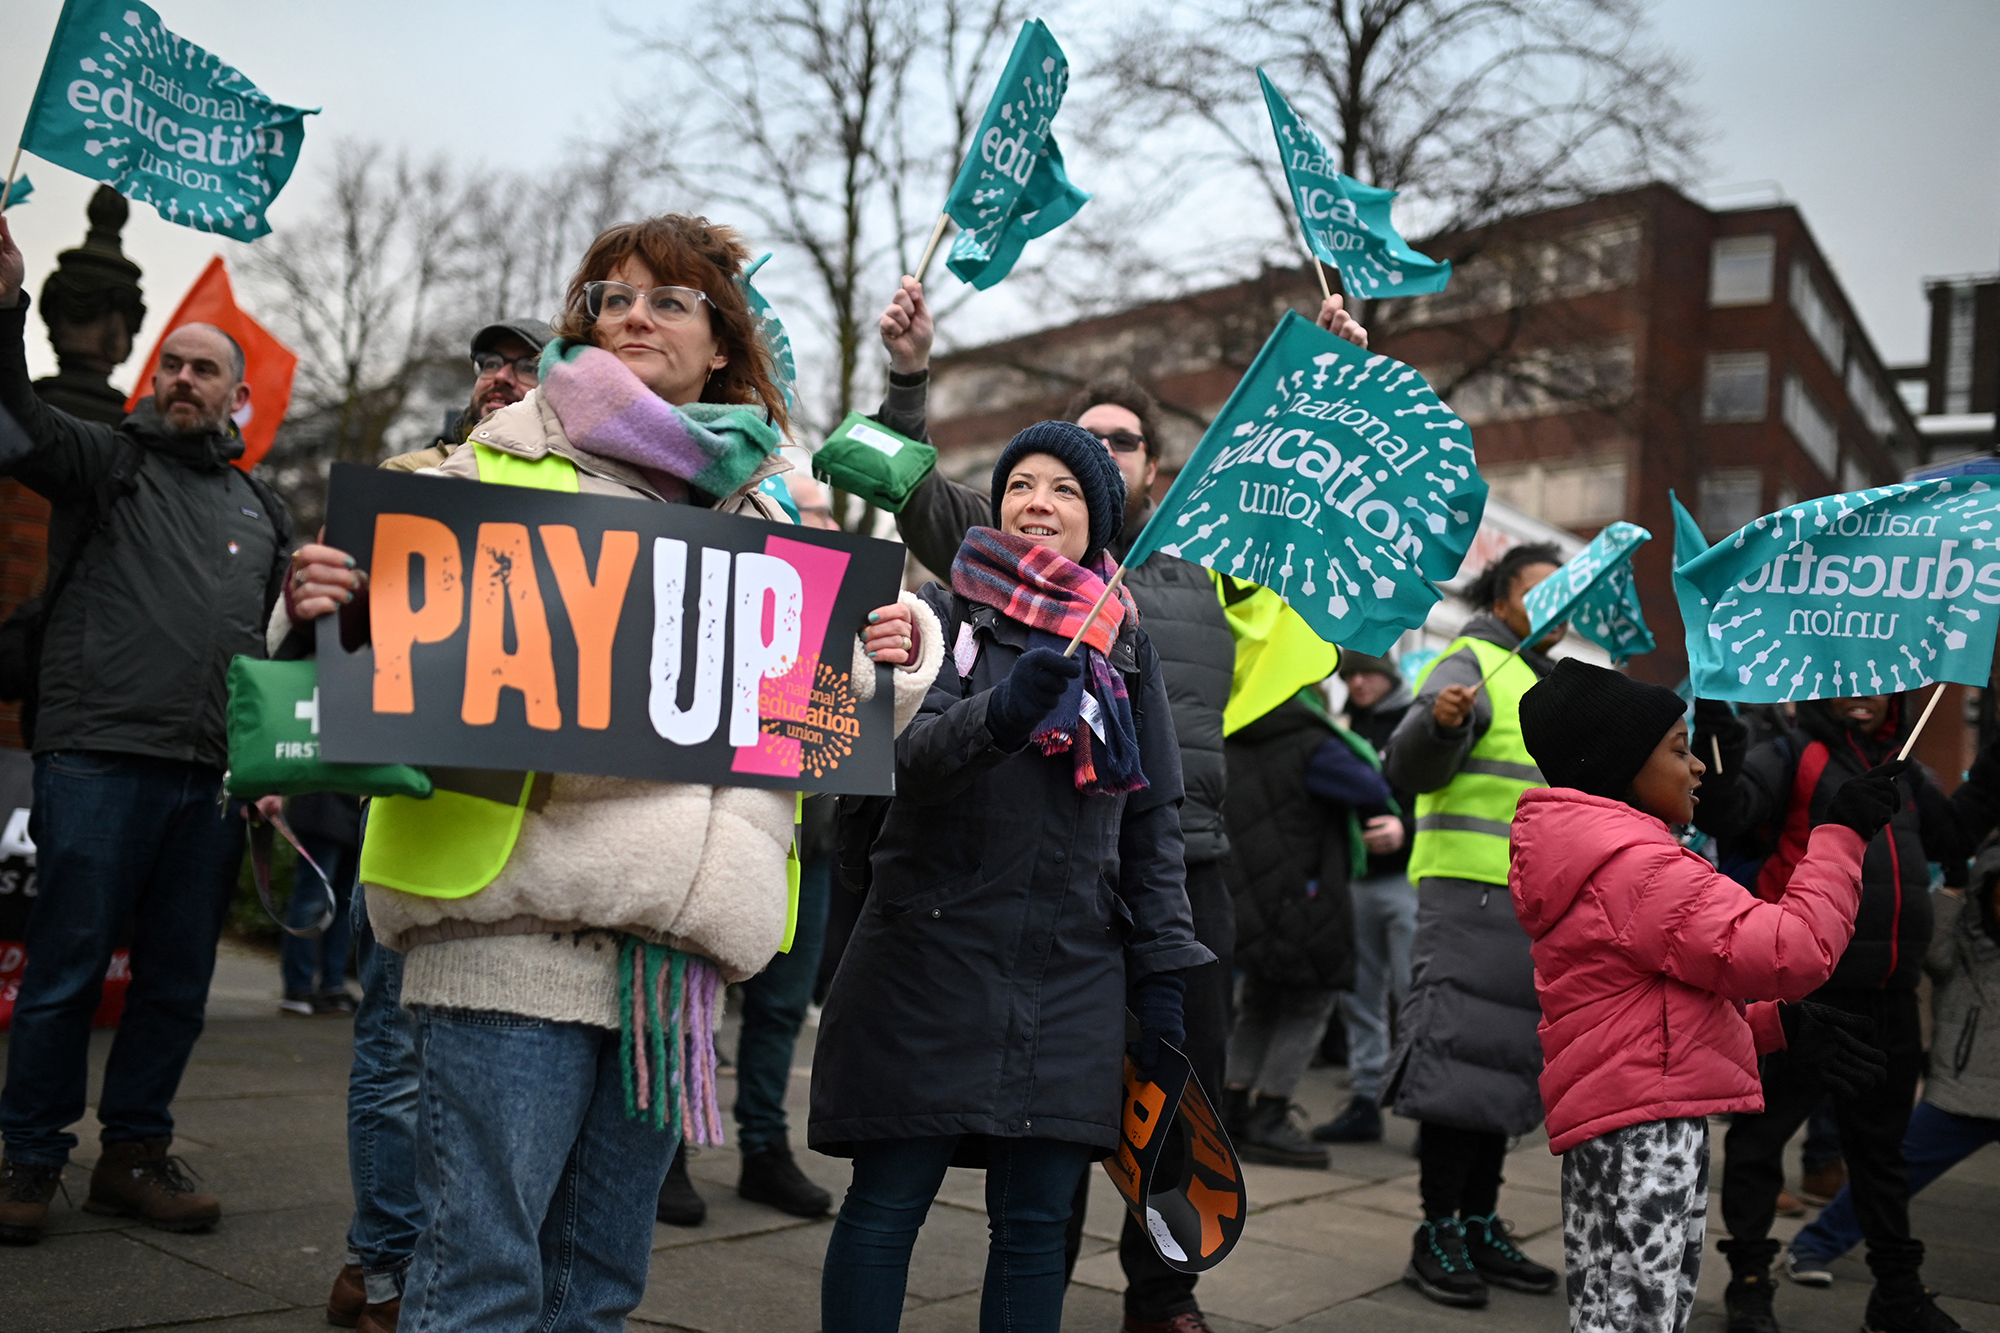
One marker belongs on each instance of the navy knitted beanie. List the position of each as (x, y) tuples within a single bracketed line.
[(1087, 459), (1593, 729)]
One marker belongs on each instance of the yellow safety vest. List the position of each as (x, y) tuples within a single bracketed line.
[(1463, 828)]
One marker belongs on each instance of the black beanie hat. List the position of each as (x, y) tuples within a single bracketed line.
[(1087, 458), (1593, 729)]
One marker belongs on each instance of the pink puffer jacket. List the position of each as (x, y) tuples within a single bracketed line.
[(1645, 958)]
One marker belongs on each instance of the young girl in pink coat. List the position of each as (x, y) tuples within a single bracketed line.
[(1660, 981)]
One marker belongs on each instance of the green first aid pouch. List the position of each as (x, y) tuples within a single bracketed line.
[(867, 459), (274, 739)]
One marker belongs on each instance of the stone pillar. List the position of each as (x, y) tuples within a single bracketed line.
[(93, 307)]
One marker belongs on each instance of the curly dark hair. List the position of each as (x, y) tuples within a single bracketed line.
[(690, 252), (1494, 582), (1128, 394)]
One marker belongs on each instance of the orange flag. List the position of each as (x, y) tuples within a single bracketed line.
[(267, 363)]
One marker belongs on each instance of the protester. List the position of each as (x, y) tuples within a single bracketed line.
[(515, 988), (314, 968), (1385, 912), (1960, 1112), (1790, 787), (1467, 1060), (506, 361), (1644, 956), (176, 559), (1027, 888), (1308, 806)]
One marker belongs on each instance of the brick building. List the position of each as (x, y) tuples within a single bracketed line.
[(1954, 393)]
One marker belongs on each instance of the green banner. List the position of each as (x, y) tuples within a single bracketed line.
[(784, 366), (23, 187), (127, 102), (1595, 593)]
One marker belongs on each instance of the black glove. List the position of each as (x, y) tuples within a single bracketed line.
[(1156, 1003), (1839, 1045), (1716, 722), (1032, 688), (1866, 803)]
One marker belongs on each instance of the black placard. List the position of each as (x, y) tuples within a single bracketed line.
[(507, 576)]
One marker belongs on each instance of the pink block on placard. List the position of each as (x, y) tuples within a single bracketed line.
[(789, 696)]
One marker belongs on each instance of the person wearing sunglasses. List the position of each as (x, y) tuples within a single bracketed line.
[(505, 366)]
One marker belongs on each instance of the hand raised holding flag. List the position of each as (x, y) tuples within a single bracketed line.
[(907, 328), (1333, 317), (13, 268)]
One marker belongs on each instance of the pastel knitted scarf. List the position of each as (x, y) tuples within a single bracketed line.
[(606, 411), (668, 1005), (1052, 594)]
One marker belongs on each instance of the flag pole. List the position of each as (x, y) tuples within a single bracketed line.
[(1918, 730), (12, 167), (1098, 605), (1320, 268), (1715, 748), (937, 234)]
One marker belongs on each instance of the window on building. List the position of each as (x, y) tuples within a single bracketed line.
[(1740, 270), (1853, 477), (1579, 493), (1958, 352), (1868, 399), (1916, 395), (1730, 498), (1598, 259), (1816, 313), (1811, 426), (1736, 386)]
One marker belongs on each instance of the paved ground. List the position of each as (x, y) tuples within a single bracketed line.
[(262, 1118)]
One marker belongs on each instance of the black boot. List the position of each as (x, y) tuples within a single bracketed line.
[(771, 1176), (1746, 1301), (1361, 1122), (1499, 1262), (679, 1205), (1441, 1269), (1270, 1137), (1235, 1110), (1905, 1310)]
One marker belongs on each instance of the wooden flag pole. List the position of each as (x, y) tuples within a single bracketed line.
[(1918, 730), (12, 167), (1091, 619), (937, 234), (1516, 652), (1715, 748), (1320, 269)]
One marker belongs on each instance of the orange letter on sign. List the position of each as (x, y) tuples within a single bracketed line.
[(593, 610), (396, 625), (1213, 1205), (503, 577)]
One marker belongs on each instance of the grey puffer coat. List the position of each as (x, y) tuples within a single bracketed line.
[(1964, 963), (983, 989)]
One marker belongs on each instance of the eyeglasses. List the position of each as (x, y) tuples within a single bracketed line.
[(1121, 441), (670, 305), (527, 369)]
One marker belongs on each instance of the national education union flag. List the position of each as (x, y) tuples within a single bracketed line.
[(1334, 477), (1012, 186), (124, 101), (1872, 592), (1594, 592)]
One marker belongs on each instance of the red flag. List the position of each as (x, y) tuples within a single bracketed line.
[(267, 363)]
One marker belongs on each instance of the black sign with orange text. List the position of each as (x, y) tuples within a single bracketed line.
[(511, 628), (1175, 1167)]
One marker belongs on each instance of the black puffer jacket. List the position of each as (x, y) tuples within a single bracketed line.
[(1784, 789), (1177, 604), (1290, 873), (182, 578), (983, 989)]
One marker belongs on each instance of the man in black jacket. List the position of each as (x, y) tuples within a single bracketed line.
[(178, 560)]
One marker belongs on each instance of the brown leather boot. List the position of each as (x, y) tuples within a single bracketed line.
[(349, 1295), (381, 1318), (138, 1178), (25, 1191)]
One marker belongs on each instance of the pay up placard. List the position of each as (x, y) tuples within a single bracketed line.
[(519, 629), (1175, 1167)]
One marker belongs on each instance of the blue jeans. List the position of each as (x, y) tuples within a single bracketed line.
[(382, 1120), (538, 1188), (1029, 1184), (1385, 924), (116, 835), (318, 966), (1937, 1141), (774, 1007)]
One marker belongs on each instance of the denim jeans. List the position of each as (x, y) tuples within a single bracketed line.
[(317, 966), (116, 835), (1029, 1183), (1385, 924), (1937, 1141), (774, 1006), (1277, 1029), (382, 1119), (538, 1189)]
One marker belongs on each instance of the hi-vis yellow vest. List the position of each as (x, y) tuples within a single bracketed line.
[(1463, 828), (454, 843)]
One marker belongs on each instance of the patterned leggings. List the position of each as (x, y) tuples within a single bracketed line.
[(1635, 1209)]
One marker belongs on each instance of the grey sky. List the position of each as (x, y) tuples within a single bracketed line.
[(1879, 121)]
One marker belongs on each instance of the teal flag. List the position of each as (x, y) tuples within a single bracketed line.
[(124, 101), (23, 187), (1595, 593), (1012, 186), (783, 365), (1872, 592), (1345, 222), (1334, 477), (1689, 543)]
